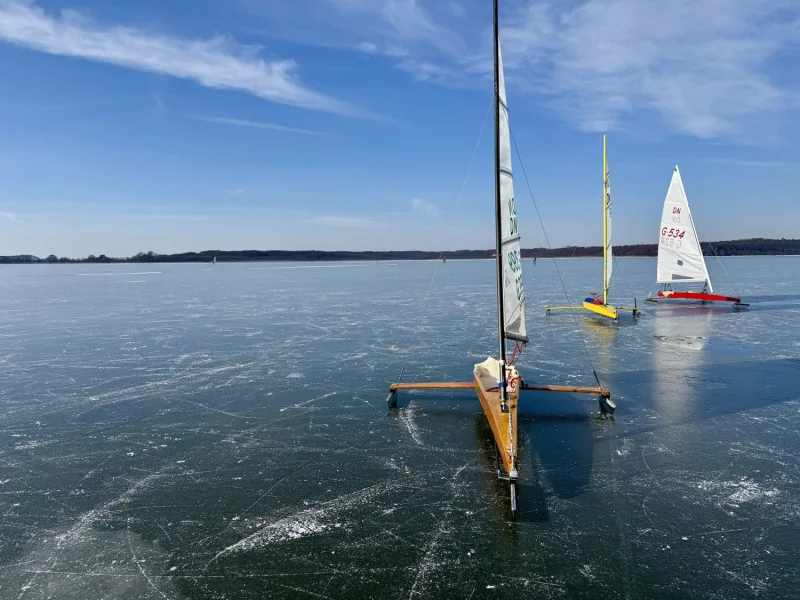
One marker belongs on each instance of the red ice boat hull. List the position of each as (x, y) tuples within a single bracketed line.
[(701, 297)]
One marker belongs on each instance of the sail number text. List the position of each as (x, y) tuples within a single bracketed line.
[(515, 266), (671, 238), (512, 218), (673, 233), (514, 262)]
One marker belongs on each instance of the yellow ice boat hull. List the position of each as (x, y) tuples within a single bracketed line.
[(602, 309)]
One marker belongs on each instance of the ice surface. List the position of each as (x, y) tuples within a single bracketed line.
[(223, 433)]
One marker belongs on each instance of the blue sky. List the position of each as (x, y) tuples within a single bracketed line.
[(350, 124)]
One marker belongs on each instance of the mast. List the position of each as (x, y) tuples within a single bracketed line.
[(605, 223), (501, 333)]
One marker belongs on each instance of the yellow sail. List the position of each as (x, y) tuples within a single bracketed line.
[(594, 304)]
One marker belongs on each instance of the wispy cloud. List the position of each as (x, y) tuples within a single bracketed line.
[(218, 62), (256, 125), (421, 206), (236, 191), (367, 47), (457, 8), (704, 68), (739, 162), (403, 21), (702, 65), (345, 222), (8, 215), (410, 33), (172, 217)]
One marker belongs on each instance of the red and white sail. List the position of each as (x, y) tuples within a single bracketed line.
[(680, 257)]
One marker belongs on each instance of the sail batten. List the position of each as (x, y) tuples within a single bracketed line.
[(513, 292), (680, 257)]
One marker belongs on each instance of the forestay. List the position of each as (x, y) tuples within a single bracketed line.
[(513, 292), (680, 257)]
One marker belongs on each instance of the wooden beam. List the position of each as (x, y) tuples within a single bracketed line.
[(446, 385), (570, 389), (469, 385)]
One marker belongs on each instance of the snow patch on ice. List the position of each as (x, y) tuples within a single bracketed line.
[(407, 418), (28, 445), (310, 521), (736, 493), (626, 447)]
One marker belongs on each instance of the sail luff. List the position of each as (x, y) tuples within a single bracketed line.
[(497, 191)]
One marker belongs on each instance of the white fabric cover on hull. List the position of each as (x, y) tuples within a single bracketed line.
[(489, 373)]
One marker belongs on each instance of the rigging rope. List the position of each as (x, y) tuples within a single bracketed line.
[(458, 203), (555, 291), (518, 348), (555, 264), (619, 272), (710, 245)]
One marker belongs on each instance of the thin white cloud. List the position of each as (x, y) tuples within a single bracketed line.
[(218, 62), (236, 191), (345, 222), (421, 206), (401, 25), (740, 162), (701, 65), (704, 68), (367, 47), (256, 125), (457, 9), (8, 215), (171, 217)]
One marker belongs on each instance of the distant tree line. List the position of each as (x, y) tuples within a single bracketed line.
[(749, 247)]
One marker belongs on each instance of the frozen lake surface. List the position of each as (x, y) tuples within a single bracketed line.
[(189, 431)]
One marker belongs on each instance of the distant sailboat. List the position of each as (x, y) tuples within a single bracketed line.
[(680, 255), (213, 262), (595, 303), (496, 381)]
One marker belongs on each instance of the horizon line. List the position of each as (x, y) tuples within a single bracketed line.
[(211, 252)]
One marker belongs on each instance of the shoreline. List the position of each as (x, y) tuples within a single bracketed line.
[(741, 247), (345, 260)]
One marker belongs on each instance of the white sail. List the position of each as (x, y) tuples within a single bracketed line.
[(513, 293), (680, 257)]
